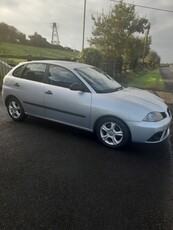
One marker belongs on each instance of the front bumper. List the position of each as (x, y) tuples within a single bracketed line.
[(150, 132)]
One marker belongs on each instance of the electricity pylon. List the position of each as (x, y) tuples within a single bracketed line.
[(55, 36)]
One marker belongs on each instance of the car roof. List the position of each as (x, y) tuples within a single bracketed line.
[(68, 64)]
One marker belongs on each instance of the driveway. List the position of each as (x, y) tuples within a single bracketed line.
[(57, 177)]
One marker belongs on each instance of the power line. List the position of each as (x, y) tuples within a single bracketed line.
[(147, 7), (76, 7)]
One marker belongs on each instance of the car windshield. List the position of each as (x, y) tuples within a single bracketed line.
[(98, 80)]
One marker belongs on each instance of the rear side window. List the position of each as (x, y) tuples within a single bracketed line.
[(34, 72)]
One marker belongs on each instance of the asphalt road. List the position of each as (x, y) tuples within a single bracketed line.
[(168, 78), (54, 177)]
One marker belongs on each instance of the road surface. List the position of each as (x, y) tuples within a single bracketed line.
[(57, 177)]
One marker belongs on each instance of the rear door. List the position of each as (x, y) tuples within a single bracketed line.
[(29, 88)]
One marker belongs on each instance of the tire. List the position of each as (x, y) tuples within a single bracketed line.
[(112, 132), (15, 109)]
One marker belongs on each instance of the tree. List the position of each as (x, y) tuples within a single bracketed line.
[(22, 38), (111, 32), (38, 40), (91, 56), (11, 34), (137, 47), (152, 59)]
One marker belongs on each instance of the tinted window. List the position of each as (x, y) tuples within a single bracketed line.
[(62, 77), (34, 72), (98, 80)]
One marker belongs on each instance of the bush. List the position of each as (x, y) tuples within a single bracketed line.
[(91, 56)]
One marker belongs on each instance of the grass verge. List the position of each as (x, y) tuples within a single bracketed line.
[(148, 80)]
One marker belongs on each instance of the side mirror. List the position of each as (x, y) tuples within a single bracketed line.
[(77, 87)]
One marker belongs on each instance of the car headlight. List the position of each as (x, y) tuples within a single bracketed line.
[(153, 117)]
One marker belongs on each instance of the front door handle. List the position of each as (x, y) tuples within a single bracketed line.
[(49, 92)]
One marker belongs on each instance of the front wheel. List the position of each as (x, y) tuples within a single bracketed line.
[(15, 109), (112, 132)]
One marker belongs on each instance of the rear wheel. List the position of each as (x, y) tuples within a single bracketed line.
[(15, 109), (112, 132)]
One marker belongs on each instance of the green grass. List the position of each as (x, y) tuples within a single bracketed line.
[(36, 52), (148, 80)]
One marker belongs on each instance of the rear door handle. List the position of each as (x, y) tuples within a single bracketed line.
[(16, 84), (49, 92)]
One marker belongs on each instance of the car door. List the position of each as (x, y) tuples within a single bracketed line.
[(28, 87), (63, 104)]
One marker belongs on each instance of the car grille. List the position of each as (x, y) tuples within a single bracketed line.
[(169, 112), (164, 115)]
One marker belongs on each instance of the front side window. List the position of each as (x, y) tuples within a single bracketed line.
[(62, 77), (98, 80), (34, 72)]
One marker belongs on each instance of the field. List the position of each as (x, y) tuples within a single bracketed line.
[(13, 53)]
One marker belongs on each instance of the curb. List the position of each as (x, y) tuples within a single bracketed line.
[(166, 96)]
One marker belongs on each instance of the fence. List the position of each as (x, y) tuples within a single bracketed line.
[(4, 69)]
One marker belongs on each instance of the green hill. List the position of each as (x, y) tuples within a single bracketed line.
[(14, 53)]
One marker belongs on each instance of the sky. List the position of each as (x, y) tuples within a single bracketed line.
[(30, 16)]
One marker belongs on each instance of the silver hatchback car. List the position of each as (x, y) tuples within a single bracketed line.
[(85, 97)]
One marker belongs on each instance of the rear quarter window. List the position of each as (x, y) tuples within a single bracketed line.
[(17, 72)]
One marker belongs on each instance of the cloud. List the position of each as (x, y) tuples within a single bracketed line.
[(39, 16)]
